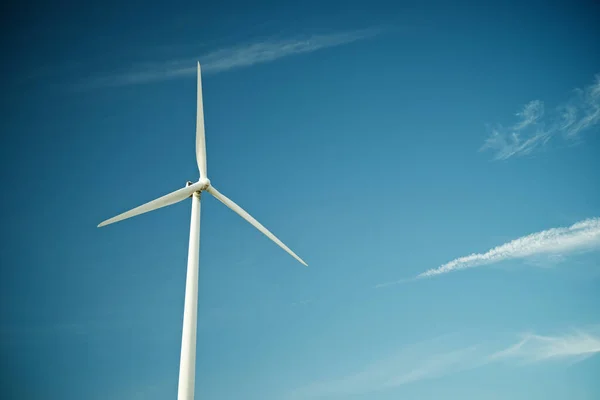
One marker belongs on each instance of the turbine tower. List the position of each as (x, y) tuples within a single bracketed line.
[(187, 366)]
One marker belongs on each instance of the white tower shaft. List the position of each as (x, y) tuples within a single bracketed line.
[(187, 363)]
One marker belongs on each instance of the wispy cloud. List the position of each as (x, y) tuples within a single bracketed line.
[(554, 242), (270, 50), (413, 363), (535, 127), (230, 58), (385, 284), (429, 360), (533, 348)]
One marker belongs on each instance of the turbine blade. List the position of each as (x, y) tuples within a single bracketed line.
[(223, 199), (200, 140), (166, 200)]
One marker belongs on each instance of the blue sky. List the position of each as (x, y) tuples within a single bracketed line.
[(436, 165)]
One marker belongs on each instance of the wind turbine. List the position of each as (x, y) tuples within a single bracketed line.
[(187, 365)]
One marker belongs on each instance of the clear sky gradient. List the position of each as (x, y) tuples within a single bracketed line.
[(435, 163)]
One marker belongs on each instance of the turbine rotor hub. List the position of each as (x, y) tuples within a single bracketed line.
[(205, 182)]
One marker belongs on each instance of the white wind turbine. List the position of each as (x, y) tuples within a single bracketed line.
[(187, 364)]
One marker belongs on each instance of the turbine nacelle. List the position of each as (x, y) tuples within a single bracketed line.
[(200, 186)]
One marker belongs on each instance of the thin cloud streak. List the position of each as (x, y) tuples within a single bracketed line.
[(398, 282), (583, 235), (230, 58), (535, 127), (428, 360), (537, 348), (413, 363), (243, 56)]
